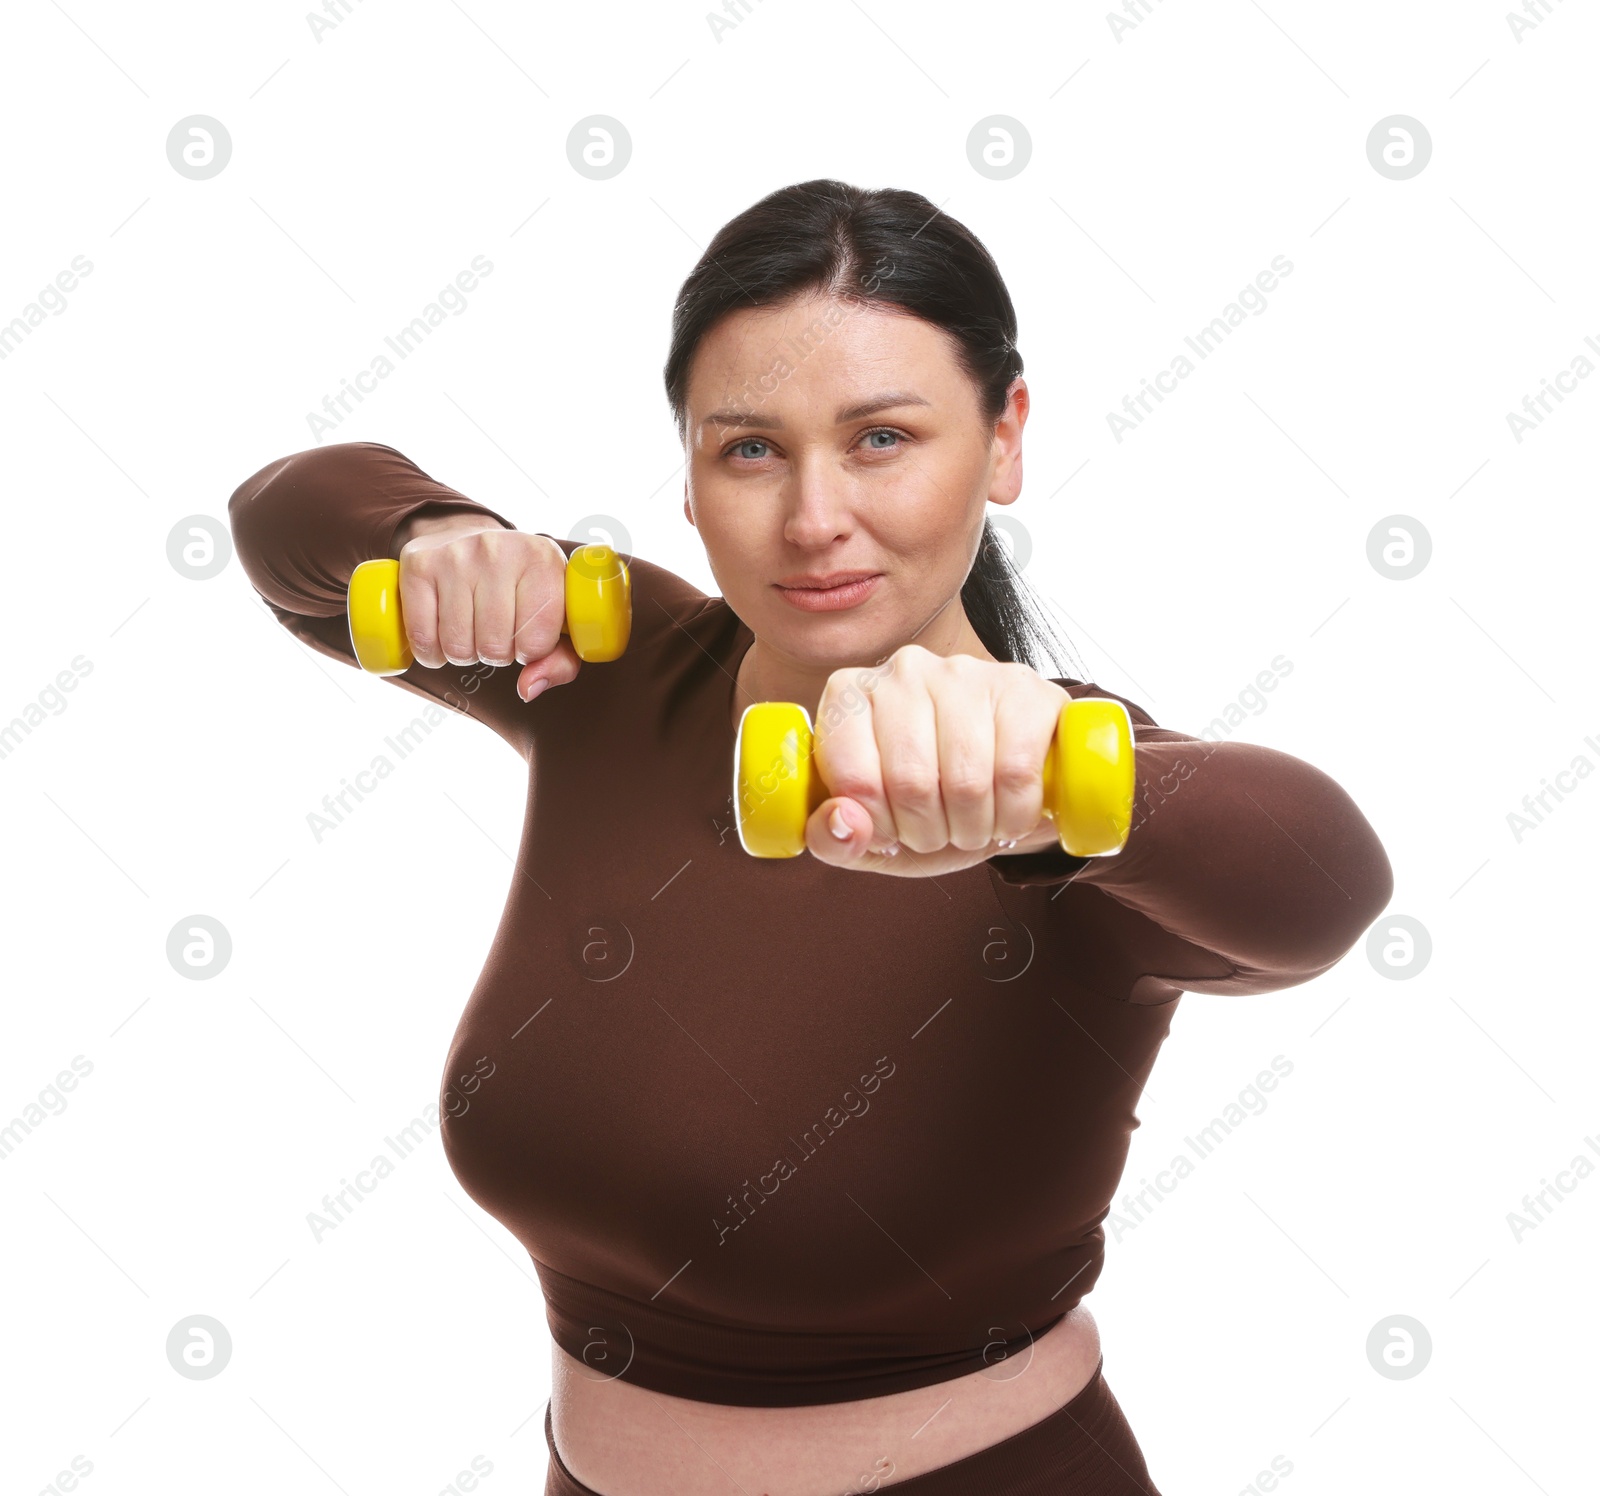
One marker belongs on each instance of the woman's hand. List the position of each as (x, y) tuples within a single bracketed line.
[(472, 590), (933, 763)]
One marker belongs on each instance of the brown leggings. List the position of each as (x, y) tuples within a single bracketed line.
[(1084, 1448)]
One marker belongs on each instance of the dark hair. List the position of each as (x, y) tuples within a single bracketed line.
[(894, 248)]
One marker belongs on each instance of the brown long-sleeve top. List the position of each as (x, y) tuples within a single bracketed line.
[(778, 1133)]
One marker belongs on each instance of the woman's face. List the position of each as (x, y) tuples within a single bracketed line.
[(794, 472)]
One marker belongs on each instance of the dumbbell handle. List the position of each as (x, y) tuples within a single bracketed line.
[(1088, 778), (598, 615)]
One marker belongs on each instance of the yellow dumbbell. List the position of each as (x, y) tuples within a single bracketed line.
[(1088, 778), (599, 610)]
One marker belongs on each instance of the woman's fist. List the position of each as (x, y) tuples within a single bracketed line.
[(933, 763), (472, 590)]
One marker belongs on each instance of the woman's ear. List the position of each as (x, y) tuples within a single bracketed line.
[(1006, 483)]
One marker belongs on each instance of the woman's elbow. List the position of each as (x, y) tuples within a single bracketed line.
[(1344, 882)]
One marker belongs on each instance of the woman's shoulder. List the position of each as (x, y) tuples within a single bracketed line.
[(1078, 688)]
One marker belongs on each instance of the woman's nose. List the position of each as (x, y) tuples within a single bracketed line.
[(818, 504)]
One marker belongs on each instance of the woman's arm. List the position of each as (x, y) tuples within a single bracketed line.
[(304, 523), (1259, 864)]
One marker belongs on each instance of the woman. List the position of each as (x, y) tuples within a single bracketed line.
[(813, 1166)]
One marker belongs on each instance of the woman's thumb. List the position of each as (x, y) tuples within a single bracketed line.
[(558, 668)]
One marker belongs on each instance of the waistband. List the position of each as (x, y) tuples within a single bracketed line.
[(1084, 1447), (653, 1346)]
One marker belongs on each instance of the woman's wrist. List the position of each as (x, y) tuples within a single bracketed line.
[(422, 522)]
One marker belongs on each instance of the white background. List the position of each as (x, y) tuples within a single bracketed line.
[(1167, 169)]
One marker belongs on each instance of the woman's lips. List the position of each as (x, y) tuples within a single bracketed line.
[(829, 599)]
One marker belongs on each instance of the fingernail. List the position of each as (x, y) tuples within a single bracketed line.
[(838, 825), (539, 683)]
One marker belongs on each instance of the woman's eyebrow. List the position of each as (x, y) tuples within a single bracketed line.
[(891, 401)]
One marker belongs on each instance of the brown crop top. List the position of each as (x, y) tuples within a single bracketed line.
[(776, 1133)]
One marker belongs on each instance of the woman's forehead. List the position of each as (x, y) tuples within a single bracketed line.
[(823, 360)]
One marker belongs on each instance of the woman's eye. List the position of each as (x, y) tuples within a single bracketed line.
[(742, 447)]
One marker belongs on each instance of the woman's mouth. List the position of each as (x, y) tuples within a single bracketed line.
[(829, 593)]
